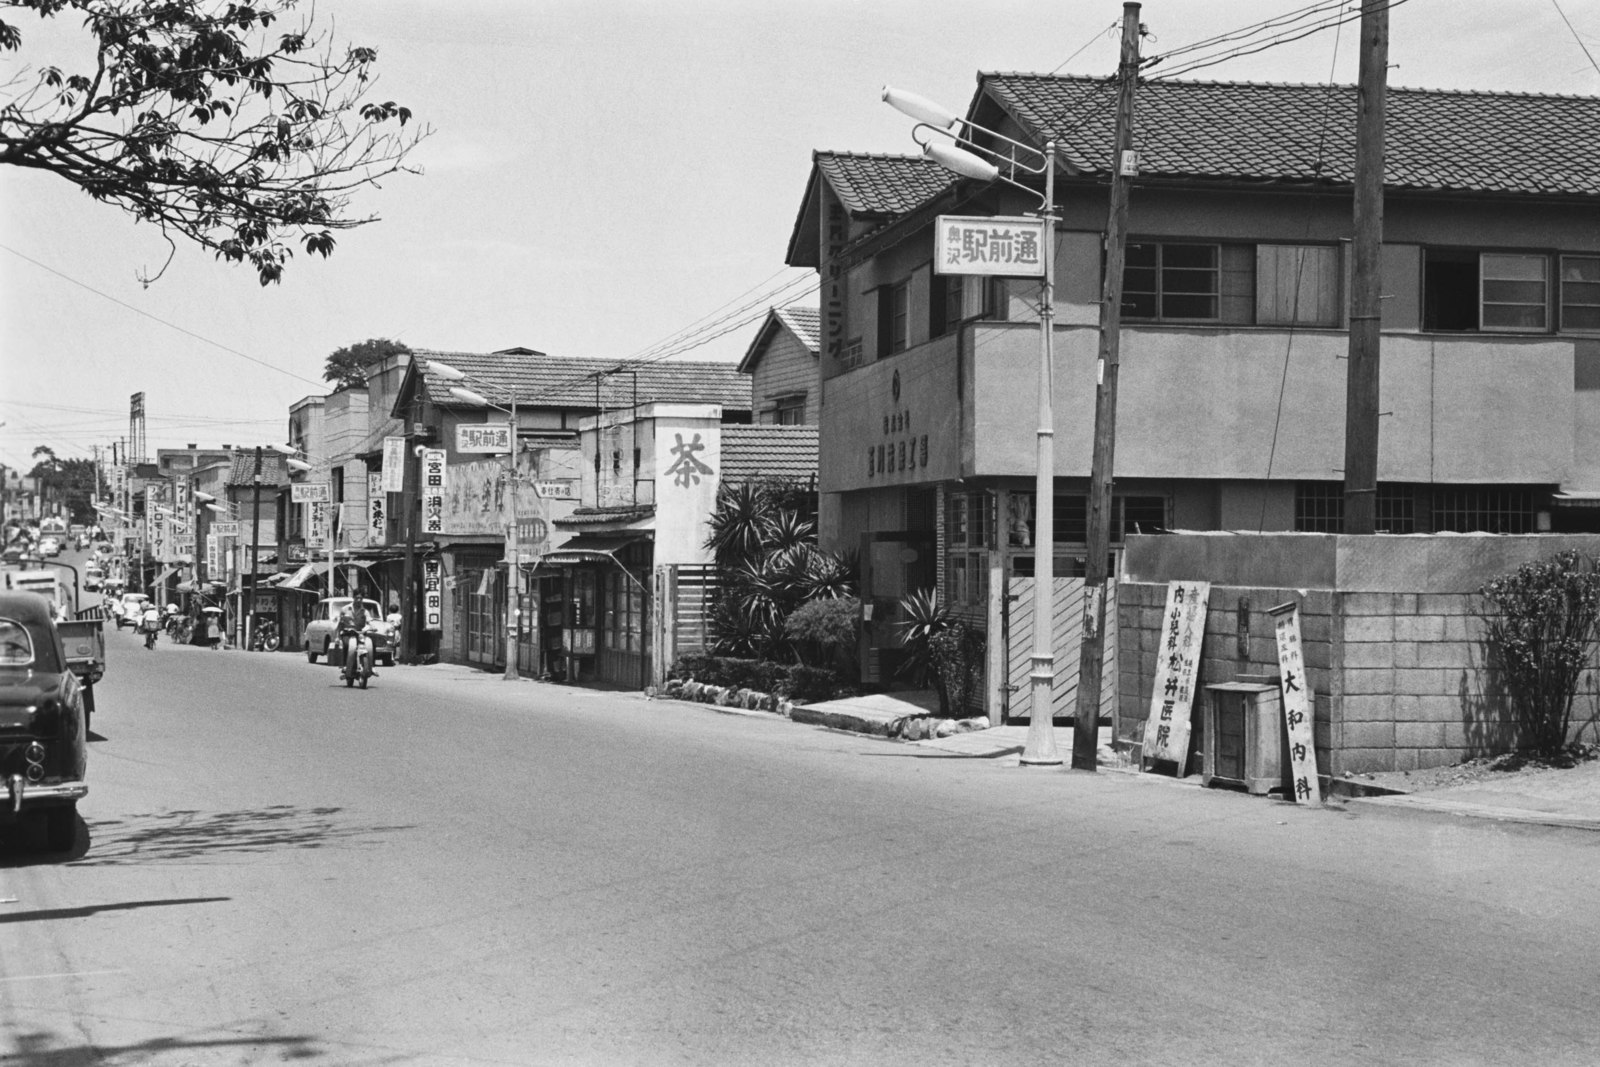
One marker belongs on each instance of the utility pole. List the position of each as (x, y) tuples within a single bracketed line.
[(249, 610), (408, 531), (1086, 732), (1361, 383)]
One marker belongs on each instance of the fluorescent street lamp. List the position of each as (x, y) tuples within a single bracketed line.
[(964, 156), (513, 560)]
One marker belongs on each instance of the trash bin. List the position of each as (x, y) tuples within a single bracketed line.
[(1245, 743)]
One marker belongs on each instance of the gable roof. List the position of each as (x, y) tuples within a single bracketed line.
[(1434, 139), (751, 453), (868, 185), (539, 380), (804, 322)]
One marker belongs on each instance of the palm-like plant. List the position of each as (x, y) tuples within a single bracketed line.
[(923, 619)]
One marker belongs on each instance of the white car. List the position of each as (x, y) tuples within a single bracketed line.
[(49, 546), (130, 609), (320, 631), (93, 577)]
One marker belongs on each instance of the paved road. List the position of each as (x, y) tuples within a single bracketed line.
[(450, 869)]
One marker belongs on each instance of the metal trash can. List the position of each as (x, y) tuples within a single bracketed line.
[(1245, 743)]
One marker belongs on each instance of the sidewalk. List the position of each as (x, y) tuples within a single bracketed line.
[(1564, 798)]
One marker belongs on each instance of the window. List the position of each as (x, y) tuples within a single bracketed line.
[(1297, 285), (1483, 509), (1502, 292), (1516, 292), (1580, 292), (894, 305), (16, 646), (945, 307), (969, 534), (1129, 515), (1171, 281), (788, 410)]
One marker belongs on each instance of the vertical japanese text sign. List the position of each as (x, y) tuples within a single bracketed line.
[(376, 529), (1297, 704), (432, 594), (394, 464), (433, 490), (1183, 627)]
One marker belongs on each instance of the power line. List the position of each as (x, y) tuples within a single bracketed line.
[(1573, 30)]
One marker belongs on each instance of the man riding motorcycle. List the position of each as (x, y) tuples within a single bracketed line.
[(354, 635)]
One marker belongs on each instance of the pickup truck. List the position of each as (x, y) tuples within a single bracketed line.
[(44, 733)]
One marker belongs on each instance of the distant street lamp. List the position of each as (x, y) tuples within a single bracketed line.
[(513, 560), (958, 156)]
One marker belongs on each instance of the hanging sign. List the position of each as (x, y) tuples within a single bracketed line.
[(211, 554), (1183, 626), (989, 244), (487, 437), (432, 594), (375, 509), (310, 493), (394, 464), (433, 486), (1297, 705), (316, 525), (225, 529)]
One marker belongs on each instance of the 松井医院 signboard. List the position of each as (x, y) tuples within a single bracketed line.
[(988, 245), (488, 437)]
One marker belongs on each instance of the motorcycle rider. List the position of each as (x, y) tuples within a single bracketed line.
[(354, 619)]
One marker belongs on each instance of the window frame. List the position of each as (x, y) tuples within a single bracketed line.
[(1160, 294), (1485, 281), (1561, 283)]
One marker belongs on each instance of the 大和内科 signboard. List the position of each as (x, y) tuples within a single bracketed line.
[(1297, 705)]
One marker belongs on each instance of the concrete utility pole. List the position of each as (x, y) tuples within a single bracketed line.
[(1361, 384), (408, 532), (1086, 732)]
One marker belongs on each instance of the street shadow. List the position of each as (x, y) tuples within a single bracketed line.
[(94, 909), (1490, 723), (41, 1048), (188, 835)]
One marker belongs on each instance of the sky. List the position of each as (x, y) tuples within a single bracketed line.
[(604, 179)]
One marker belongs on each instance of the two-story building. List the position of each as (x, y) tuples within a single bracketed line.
[(1234, 330)]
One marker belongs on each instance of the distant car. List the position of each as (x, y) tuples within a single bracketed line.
[(103, 549), (43, 750), (130, 608), (49, 546), (93, 577), (12, 554), (320, 632)]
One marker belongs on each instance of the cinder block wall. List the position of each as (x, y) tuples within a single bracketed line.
[(1392, 632)]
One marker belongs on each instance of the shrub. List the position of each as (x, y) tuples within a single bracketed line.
[(956, 653), (1542, 626), (823, 626)]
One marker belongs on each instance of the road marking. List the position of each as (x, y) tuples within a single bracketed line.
[(64, 974)]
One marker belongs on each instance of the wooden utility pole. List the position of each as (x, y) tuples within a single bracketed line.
[(1086, 732), (1361, 387)]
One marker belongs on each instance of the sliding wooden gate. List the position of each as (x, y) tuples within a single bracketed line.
[(1067, 624)]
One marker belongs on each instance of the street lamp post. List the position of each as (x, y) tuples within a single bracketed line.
[(249, 610), (1040, 748), (513, 556)]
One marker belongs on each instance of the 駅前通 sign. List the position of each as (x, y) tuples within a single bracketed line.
[(989, 245)]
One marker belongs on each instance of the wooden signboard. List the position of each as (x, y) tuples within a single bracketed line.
[(1183, 627), (1297, 706)]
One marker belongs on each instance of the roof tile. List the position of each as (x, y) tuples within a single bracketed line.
[(561, 381), (873, 184), (751, 453)]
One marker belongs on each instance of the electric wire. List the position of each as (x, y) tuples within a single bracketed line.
[(1573, 30)]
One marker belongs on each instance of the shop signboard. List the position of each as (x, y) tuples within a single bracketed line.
[(310, 493), (1183, 626), (1297, 705), (394, 464), (434, 482), (432, 594), (225, 529), (1009, 246), (376, 509)]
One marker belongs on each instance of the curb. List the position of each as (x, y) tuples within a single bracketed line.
[(1415, 802)]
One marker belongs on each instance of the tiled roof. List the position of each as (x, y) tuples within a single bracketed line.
[(273, 470), (564, 381), (1469, 141), (882, 184), (750, 453), (805, 322)]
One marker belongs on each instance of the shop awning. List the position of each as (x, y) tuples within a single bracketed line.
[(300, 577), (161, 579), (590, 548), (1576, 498)]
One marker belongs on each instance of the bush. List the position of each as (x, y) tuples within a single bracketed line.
[(823, 626), (956, 653), (796, 682), (1542, 625)]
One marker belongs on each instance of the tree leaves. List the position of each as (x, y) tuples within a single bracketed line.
[(200, 120)]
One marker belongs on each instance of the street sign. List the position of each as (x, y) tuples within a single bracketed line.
[(487, 437), (433, 486), (989, 244), (225, 529), (394, 464), (310, 493)]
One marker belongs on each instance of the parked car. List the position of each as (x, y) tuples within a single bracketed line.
[(130, 608), (43, 748), (320, 632)]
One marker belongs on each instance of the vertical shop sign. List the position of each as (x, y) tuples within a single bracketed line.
[(1183, 627), (433, 486), (394, 464), (211, 556), (1297, 705), (432, 594), (376, 512)]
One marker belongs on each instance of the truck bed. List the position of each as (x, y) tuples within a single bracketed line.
[(85, 643)]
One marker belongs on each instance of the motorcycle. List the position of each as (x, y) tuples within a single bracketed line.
[(357, 656), (266, 637)]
